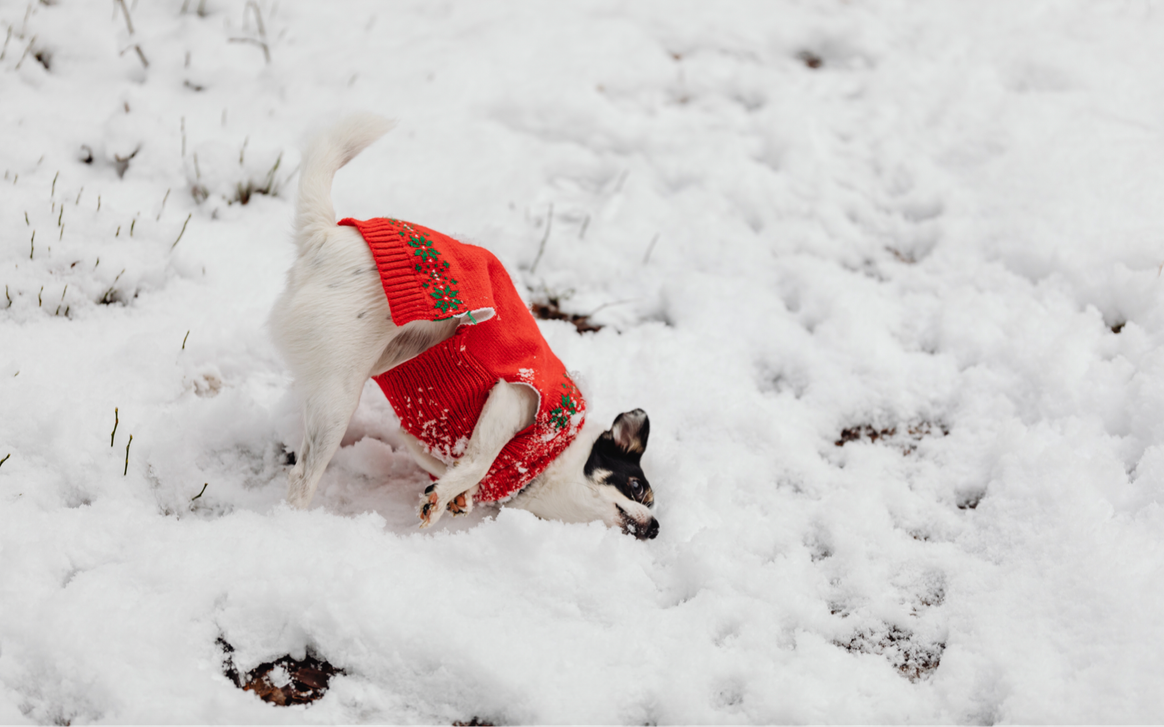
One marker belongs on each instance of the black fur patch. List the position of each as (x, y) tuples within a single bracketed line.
[(618, 467)]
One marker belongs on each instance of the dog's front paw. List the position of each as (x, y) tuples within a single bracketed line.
[(430, 507), (462, 504)]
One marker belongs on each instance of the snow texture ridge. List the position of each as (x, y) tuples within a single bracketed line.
[(885, 275)]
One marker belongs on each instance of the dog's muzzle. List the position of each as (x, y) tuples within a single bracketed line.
[(642, 531)]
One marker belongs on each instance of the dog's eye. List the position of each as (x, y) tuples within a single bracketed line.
[(636, 486)]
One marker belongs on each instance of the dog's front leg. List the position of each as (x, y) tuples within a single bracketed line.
[(509, 409)]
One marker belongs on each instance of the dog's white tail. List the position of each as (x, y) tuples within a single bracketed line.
[(314, 214)]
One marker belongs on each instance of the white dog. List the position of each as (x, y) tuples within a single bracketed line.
[(485, 406)]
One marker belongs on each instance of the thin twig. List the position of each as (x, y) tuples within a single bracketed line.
[(184, 340), (105, 299), (79, 197), (39, 296), (545, 237), (262, 28), (126, 472), (32, 245), (2, 461), (621, 180), (53, 191), (141, 55), (4, 51), (116, 420), (125, 12), (607, 305), (204, 486), (585, 224), (163, 209), (650, 248), (183, 230), (27, 48), (259, 43), (271, 174), (258, 17)]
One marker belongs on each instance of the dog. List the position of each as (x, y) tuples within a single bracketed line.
[(485, 407)]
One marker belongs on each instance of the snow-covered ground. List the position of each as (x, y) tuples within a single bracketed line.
[(931, 232)]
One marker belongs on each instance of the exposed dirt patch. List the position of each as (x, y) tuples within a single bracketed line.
[(913, 660), (810, 59), (905, 437), (284, 681), (866, 432), (45, 58), (550, 310), (902, 257)]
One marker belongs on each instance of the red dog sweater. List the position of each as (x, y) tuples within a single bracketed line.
[(439, 394)]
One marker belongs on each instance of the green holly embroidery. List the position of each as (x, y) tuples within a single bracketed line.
[(435, 270), (446, 299), (560, 415), (424, 248)]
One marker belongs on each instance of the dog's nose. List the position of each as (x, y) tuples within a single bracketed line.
[(652, 530)]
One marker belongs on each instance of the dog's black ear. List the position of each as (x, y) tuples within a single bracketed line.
[(630, 431)]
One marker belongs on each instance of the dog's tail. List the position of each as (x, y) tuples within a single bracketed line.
[(314, 213)]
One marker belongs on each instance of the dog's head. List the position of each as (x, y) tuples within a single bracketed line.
[(613, 468)]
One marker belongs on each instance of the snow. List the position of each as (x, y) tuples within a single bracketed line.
[(939, 227)]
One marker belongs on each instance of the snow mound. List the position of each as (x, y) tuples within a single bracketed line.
[(886, 278)]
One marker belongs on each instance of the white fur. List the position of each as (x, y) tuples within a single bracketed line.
[(334, 327), (314, 215), (332, 321)]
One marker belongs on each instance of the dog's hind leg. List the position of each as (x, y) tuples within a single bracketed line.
[(327, 409), (332, 324), (331, 386)]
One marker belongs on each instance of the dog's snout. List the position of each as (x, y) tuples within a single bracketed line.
[(642, 531), (651, 530)]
